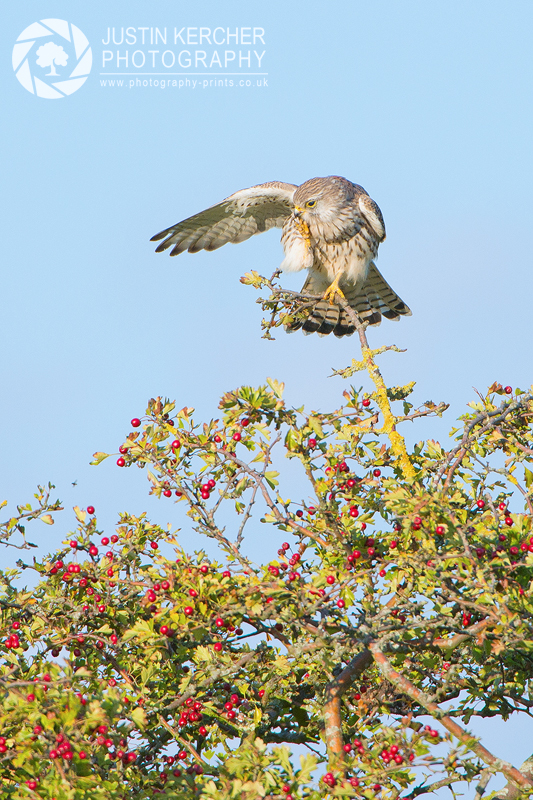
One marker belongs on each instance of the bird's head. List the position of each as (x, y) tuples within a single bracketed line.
[(322, 199)]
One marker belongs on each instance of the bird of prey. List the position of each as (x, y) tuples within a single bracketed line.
[(331, 227)]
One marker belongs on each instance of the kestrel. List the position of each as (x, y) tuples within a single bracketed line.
[(331, 227)]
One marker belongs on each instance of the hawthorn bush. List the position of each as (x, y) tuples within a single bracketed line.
[(135, 669)]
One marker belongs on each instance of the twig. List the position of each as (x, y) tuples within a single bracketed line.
[(248, 512)]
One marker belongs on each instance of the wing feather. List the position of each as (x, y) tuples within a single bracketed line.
[(235, 219)]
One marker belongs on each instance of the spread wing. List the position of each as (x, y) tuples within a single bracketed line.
[(235, 219)]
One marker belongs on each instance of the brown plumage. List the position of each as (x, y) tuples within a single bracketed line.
[(331, 227)]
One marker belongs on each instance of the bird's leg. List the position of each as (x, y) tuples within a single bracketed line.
[(333, 289)]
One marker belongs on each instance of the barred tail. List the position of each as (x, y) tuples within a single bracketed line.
[(370, 300)]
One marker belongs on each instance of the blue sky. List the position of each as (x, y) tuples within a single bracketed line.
[(427, 105)]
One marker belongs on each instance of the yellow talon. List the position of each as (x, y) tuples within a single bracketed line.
[(332, 290)]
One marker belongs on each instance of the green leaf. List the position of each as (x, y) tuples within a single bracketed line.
[(98, 458), (276, 387), (80, 514), (138, 716), (270, 478)]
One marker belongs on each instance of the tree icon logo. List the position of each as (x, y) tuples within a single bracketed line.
[(57, 67), (49, 55)]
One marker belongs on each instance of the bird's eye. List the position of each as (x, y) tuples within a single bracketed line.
[(311, 203)]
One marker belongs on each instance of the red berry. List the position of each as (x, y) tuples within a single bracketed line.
[(167, 493), (377, 473), (394, 544), (93, 550), (261, 692), (508, 390), (217, 439), (299, 513), (480, 504), (366, 402), (30, 697), (354, 511), (114, 539), (244, 422), (135, 422), (188, 611), (341, 603), (330, 579), (217, 647), (237, 437), (382, 573), (176, 444), (508, 521), (90, 509), (114, 638), (82, 754), (502, 506), (121, 462), (73, 543), (311, 443)]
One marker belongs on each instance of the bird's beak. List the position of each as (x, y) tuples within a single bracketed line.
[(298, 210)]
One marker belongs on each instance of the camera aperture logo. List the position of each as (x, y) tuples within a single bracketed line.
[(52, 58)]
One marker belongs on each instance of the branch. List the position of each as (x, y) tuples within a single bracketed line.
[(493, 418), (464, 737), (511, 791), (389, 420), (428, 788), (195, 754), (285, 520), (332, 708)]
